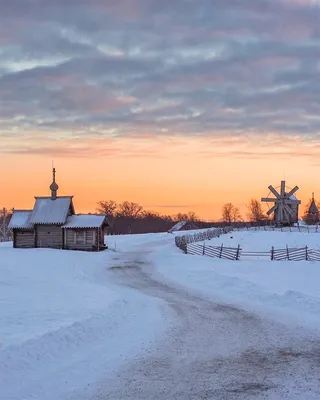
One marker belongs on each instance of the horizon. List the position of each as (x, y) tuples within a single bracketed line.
[(178, 107), (243, 208)]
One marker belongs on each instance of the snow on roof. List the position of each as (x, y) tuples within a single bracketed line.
[(20, 220), (48, 211), (313, 209), (85, 221), (177, 226)]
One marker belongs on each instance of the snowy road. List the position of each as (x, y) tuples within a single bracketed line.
[(149, 322), (214, 351)]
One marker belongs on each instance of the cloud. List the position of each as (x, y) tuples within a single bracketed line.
[(144, 68)]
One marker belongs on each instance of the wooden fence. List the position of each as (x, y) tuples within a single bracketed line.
[(236, 253), (5, 232), (301, 228), (200, 249), (183, 241)]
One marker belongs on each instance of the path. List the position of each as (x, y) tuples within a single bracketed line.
[(214, 351)]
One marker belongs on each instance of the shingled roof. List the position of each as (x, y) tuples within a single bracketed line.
[(21, 220), (85, 221), (313, 209), (51, 211)]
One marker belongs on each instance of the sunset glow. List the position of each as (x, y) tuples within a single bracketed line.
[(178, 107)]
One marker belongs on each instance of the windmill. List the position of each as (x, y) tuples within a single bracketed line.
[(285, 206)]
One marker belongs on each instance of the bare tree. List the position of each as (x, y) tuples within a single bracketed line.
[(255, 213), (108, 207), (230, 213), (129, 209), (190, 216)]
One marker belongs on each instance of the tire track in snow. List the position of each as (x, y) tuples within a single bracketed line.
[(215, 351)]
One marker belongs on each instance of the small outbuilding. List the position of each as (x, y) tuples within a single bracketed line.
[(183, 226), (52, 223), (85, 232)]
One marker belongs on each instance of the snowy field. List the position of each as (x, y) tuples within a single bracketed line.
[(66, 321), (287, 290), (264, 240)]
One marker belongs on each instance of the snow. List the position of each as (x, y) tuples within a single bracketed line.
[(60, 316), (66, 322), (286, 290), (21, 219), (177, 226), (48, 211), (84, 221), (263, 240)]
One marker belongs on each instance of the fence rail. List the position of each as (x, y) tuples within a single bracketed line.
[(300, 228), (236, 253), (188, 243), (183, 241)]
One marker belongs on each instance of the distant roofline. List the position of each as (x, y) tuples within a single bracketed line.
[(15, 210), (49, 197)]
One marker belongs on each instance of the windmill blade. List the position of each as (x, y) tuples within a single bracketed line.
[(268, 200), (291, 201), (273, 190), (272, 209), (283, 188), (287, 209), (280, 213), (292, 191), (286, 215)]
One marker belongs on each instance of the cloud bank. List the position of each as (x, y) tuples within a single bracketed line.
[(101, 70)]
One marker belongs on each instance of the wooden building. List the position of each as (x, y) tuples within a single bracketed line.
[(312, 215), (285, 209), (183, 226), (52, 223)]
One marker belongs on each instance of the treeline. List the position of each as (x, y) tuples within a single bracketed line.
[(131, 217), (255, 214), (128, 209)]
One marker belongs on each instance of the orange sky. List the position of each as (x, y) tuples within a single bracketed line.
[(170, 175)]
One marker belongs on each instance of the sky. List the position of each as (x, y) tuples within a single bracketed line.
[(178, 105)]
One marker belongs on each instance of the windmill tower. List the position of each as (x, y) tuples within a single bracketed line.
[(286, 205)]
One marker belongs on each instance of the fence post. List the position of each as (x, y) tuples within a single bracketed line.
[(203, 250), (272, 253), (307, 253), (288, 252), (308, 229), (221, 248), (238, 252)]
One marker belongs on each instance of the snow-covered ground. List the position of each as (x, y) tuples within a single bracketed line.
[(63, 323), (287, 290), (66, 321), (264, 240)]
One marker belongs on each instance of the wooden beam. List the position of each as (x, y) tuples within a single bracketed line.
[(289, 201), (292, 191), (272, 209), (268, 200), (288, 209), (282, 188), (273, 190)]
